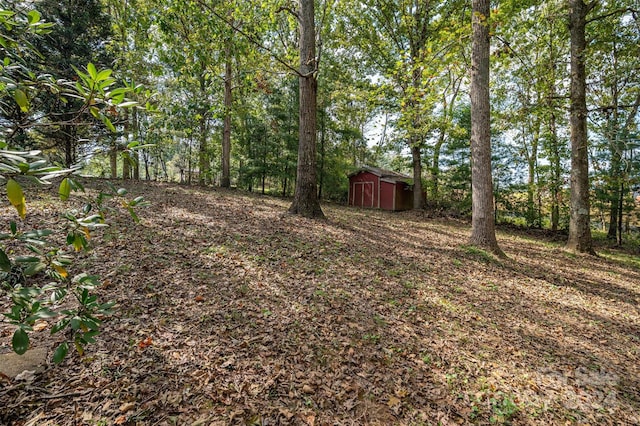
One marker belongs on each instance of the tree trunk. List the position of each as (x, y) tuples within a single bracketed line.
[(555, 186), (556, 170), (126, 162), (113, 158), (579, 221), (225, 181), (435, 168), (203, 155), (483, 226), (615, 194), (69, 145), (135, 155), (418, 196), (189, 167), (305, 198), (322, 155), (532, 166)]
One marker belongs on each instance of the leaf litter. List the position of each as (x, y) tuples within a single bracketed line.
[(230, 311)]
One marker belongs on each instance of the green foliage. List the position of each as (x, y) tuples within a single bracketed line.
[(37, 278), (35, 272)]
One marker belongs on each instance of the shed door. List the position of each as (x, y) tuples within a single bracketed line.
[(363, 194)]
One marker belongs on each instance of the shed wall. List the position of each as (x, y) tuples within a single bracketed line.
[(364, 190), (387, 195)]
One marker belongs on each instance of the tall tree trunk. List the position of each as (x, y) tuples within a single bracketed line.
[(322, 154), (126, 161), (532, 166), (203, 154), (483, 226), (580, 215), (615, 194), (189, 163), (555, 185), (556, 171), (113, 158), (69, 145), (416, 157), (225, 181), (305, 198), (135, 155), (435, 168)]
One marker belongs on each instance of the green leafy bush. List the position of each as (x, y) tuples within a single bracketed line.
[(35, 270)]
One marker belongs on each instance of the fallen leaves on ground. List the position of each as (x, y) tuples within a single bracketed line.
[(368, 317)]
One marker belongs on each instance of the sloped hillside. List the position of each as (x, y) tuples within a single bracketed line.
[(232, 312)]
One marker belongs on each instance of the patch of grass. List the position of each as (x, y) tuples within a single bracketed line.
[(320, 293), (372, 338), (394, 272), (503, 408), (623, 258), (480, 254), (379, 320)]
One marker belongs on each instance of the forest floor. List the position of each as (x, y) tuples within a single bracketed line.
[(231, 312)]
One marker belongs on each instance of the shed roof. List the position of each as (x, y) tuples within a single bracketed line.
[(387, 175)]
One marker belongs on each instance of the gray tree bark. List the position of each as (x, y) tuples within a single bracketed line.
[(580, 218), (225, 181), (305, 198), (483, 227)]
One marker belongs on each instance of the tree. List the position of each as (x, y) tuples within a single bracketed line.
[(483, 227), (580, 219), (406, 43), (305, 197), (80, 36)]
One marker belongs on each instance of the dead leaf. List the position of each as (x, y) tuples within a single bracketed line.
[(393, 402), (40, 325), (127, 406), (148, 341)]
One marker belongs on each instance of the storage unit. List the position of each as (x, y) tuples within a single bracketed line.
[(371, 187)]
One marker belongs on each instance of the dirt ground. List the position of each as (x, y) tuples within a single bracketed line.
[(231, 312)]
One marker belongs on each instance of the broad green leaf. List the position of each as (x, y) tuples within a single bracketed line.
[(33, 17), (21, 99), (103, 75), (108, 123), (16, 197), (61, 352), (27, 259), (79, 242), (63, 323), (65, 189), (133, 214), (5, 263), (75, 323), (20, 341), (34, 268), (24, 167), (92, 71)]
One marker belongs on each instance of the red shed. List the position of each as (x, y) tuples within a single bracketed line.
[(382, 189)]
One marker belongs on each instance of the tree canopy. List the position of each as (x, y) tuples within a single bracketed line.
[(228, 83)]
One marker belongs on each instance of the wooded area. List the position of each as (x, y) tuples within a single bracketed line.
[(385, 84), (238, 124)]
